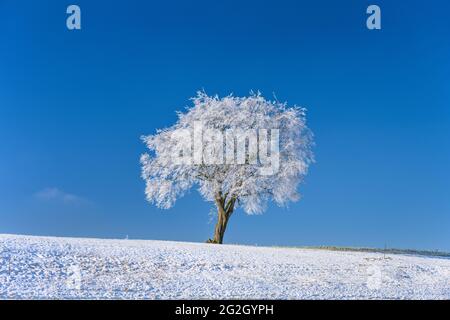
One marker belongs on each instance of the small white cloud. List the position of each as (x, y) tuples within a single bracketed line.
[(57, 195)]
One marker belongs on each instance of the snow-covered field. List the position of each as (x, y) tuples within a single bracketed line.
[(70, 268)]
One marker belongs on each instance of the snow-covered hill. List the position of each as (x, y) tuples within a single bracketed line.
[(48, 268)]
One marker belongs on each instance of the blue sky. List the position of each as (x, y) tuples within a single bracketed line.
[(73, 105)]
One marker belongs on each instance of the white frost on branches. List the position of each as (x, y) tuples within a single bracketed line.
[(168, 178)]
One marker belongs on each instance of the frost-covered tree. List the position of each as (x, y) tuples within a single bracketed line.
[(238, 151)]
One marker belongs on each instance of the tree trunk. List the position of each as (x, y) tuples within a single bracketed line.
[(223, 215), (221, 226)]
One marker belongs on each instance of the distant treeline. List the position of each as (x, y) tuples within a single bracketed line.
[(435, 253)]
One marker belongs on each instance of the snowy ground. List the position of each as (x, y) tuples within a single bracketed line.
[(49, 268)]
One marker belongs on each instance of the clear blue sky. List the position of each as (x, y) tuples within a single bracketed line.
[(73, 105)]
